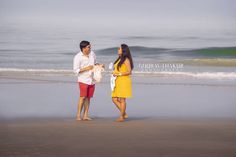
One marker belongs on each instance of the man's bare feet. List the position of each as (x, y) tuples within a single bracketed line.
[(87, 118), (120, 119)]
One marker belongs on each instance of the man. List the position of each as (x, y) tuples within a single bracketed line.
[(82, 66)]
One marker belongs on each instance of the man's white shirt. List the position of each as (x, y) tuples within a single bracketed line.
[(82, 61)]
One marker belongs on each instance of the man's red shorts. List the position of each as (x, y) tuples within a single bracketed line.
[(86, 90)]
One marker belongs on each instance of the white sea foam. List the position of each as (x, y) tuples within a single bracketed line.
[(36, 71), (211, 75)]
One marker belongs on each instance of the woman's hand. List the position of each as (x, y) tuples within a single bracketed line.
[(115, 74)]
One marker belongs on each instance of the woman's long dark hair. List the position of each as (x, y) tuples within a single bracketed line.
[(125, 54)]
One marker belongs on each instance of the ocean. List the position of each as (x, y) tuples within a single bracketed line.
[(177, 73), (41, 48)]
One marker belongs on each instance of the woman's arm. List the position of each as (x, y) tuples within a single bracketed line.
[(128, 72)]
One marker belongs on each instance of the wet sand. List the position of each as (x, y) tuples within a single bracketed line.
[(103, 137), (153, 96)]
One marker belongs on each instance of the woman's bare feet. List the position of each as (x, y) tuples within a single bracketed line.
[(126, 116), (120, 119), (87, 118), (78, 118)]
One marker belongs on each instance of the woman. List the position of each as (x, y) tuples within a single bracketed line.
[(123, 67)]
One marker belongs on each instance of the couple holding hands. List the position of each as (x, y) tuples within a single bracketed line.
[(83, 65)]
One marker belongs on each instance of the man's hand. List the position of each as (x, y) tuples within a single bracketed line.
[(100, 64), (86, 69), (89, 67)]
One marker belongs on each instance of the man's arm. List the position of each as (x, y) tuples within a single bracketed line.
[(86, 68), (95, 61), (76, 66)]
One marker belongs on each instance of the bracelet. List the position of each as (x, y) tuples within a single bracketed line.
[(120, 74)]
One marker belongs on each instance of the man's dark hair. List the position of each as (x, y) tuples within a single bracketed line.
[(83, 44)]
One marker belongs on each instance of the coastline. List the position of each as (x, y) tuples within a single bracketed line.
[(28, 95), (168, 116)]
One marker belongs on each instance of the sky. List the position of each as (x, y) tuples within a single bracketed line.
[(130, 14)]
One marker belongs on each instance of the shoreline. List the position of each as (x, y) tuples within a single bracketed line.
[(168, 116), (153, 96)]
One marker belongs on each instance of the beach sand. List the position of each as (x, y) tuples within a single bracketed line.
[(179, 117), (103, 137)]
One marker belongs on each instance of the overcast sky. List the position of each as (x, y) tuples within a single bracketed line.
[(125, 13)]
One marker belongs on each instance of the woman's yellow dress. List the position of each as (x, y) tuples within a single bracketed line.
[(123, 84)]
